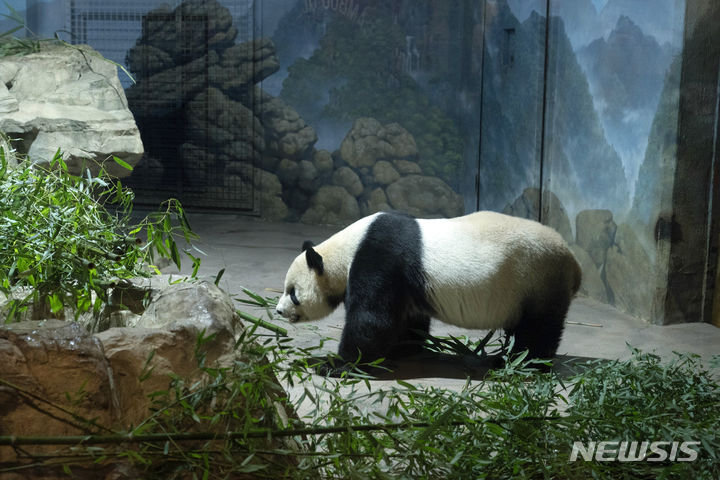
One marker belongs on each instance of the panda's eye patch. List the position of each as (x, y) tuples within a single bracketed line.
[(293, 297)]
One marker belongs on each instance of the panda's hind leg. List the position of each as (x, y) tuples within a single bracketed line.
[(541, 326)]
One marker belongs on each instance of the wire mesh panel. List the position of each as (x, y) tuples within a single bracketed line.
[(200, 135)]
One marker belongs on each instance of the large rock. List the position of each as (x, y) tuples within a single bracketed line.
[(332, 205), (58, 361), (287, 171), (407, 167), (112, 379), (322, 159), (68, 97), (264, 186), (51, 366), (156, 93), (216, 31), (369, 141), (376, 202), (555, 216), (213, 30), (307, 180), (629, 274), (243, 65), (595, 233), (424, 197), (169, 328), (287, 135), (196, 163), (227, 128), (384, 173), (592, 283), (269, 192), (345, 177)]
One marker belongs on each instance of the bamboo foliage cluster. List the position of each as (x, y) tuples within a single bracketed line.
[(65, 240), (516, 423)]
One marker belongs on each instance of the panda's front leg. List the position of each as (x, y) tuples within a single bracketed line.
[(370, 333), (367, 336)]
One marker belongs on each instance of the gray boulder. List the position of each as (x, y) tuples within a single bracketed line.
[(322, 159), (288, 171), (147, 60), (196, 162), (168, 327), (161, 85), (287, 135), (376, 202), (384, 173), (629, 274), (229, 126), (368, 141), (79, 107), (595, 233), (160, 28), (424, 197), (8, 102), (332, 205), (269, 191), (345, 177), (265, 185), (307, 176), (245, 64), (407, 167), (592, 283)]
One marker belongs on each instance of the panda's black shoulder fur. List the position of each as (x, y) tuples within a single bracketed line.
[(385, 300)]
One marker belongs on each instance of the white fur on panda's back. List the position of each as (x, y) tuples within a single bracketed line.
[(481, 266)]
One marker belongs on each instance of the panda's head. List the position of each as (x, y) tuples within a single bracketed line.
[(306, 296)]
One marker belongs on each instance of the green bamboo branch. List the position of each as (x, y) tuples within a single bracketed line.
[(262, 323), (13, 440)]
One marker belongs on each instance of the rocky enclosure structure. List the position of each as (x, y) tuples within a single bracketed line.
[(258, 141), (68, 97)]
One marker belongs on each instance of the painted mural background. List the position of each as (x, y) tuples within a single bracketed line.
[(323, 111), (582, 108)]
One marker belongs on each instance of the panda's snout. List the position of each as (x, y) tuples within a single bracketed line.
[(279, 311)]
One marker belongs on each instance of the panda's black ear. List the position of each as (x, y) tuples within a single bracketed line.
[(314, 260), (306, 245)]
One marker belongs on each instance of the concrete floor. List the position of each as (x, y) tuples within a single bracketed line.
[(256, 255)]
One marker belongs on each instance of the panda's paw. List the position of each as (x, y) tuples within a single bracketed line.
[(329, 370), (336, 367)]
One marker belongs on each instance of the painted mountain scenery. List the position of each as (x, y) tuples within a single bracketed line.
[(581, 106), (345, 107)]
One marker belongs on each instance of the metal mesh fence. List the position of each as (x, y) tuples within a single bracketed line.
[(198, 138)]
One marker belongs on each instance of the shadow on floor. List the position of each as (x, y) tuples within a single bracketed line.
[(461, 367)]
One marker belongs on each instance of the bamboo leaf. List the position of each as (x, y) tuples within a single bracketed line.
[(122, 163), (219, 276)]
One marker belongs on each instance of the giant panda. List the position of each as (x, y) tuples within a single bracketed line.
[(394, 272)]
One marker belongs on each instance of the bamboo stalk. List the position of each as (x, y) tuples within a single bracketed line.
[(13, 440), (262, 323)]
